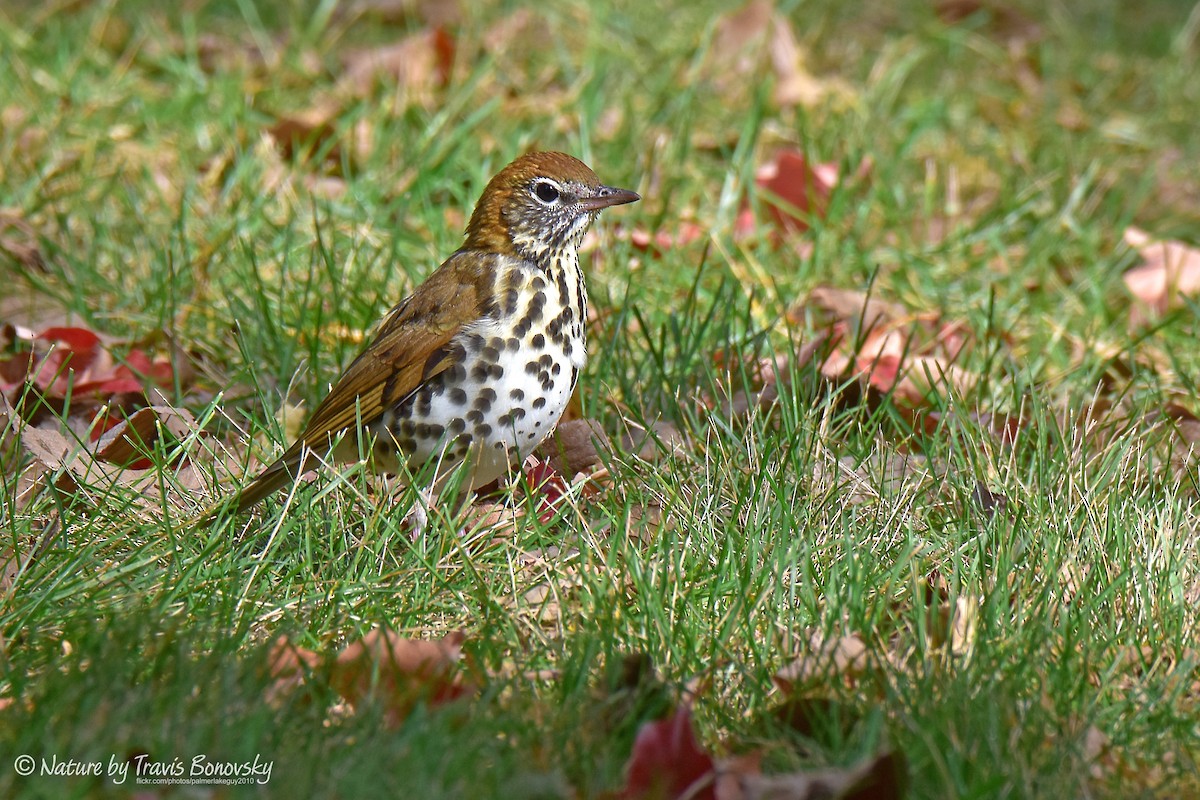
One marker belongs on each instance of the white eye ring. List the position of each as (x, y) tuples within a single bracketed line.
[(547, 192)]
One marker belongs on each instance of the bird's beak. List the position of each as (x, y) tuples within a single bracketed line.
[(608, 196)]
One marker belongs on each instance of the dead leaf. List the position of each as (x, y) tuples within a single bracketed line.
[(1170, 269), (881, 777), (402, 12), (668, 762), (575, 446), (865, 312), (400, 672), (844, 657), (797, 191), (660, 439), (18, 240), (416, 66), (794, 84), (663, 240), (126, 443), (288, 666), (1002, 19)]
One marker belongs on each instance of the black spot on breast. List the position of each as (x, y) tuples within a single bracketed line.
[(539, 403), (574, 377), (532, 368), (538, 341), (474, 342), (557, 368), (483, 431), (457, 425), (475, 416), (495, 371), (510, 301), (517, 413), (517, 394), (491, 354), (513, 343), (545, 361), (479, 372), (458, 396)]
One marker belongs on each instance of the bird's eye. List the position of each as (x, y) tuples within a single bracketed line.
[(546, 192)]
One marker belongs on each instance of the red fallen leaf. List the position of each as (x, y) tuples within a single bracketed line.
[(81, 341), (132, 376), (662, 240), (800, 191), (78, 363), (745, 224), (550, 487), (668, 763)]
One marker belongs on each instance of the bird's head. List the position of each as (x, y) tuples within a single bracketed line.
[(539, 205)]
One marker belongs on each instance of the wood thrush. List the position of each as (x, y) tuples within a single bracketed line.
[(479, 362)]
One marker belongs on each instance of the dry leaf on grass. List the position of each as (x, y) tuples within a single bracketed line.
[(881, 777), (401, 12), (650, 444), (416, 66), (400, 672), (750, 38), (798, 191), (87, 473), (1169, 270), (18, 241), (912, 356), (794, 84), (843, 659), (667, 763), (575, 446)]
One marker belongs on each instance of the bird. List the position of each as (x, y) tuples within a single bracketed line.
[(478, 364)]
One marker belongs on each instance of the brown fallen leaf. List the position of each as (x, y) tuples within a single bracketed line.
[(575, 446), (288, 666), (794, 84), (416, 66), (1001, 19), (81, 475), (880, 777), (400, 672), (18, 240), (825, 659), (864, 312), (301, 134), (649, 444), (127, 443), (401, 12)]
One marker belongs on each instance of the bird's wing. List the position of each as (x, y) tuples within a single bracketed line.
[(413, 344)]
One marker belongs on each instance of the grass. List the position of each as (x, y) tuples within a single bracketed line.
[(1001, 181)]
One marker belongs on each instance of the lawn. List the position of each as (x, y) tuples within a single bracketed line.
[(882, 459)]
